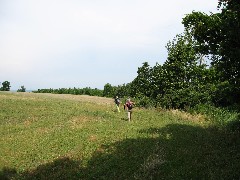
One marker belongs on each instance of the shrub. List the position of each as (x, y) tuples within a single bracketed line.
[(218, 115)]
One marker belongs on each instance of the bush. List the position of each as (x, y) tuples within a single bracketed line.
[(185, 98), (22, 89), (144, 101), (219, 116)]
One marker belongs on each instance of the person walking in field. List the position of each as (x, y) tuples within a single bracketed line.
[(128, 106), (117, 103)]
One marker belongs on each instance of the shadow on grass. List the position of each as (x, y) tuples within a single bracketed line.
[(173, 152)]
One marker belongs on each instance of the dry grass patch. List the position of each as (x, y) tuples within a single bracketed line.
[(189, 117), (19, 96), (82, 98), (78, 122), (27, 123), (38, 96), (92, 138)]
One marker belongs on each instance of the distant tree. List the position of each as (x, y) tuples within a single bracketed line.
[(123, 90), (108, 90), (5, 86), (22, 89), (141, 85)]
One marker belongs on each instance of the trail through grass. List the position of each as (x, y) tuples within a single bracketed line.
[(80, 137)]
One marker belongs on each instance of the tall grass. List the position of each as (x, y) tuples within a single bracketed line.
[(49, 138), (220, 117)]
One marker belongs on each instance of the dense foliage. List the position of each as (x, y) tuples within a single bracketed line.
[(120, 90), (218, 35)]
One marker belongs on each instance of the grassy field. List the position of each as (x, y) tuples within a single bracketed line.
[(46, 136)]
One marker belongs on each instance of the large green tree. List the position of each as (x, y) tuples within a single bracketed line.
[(186, 76), (218, 35), (141, 85)]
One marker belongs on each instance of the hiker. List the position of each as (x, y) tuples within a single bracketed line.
[(117, 102), (128, 106)]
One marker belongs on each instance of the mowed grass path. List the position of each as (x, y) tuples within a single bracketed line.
[(46, 136)]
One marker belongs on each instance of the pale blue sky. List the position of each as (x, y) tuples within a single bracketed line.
[(86, 43)]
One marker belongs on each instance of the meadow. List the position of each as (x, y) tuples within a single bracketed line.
[(49, 136)]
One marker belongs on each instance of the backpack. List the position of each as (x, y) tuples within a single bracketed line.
[(117, 101), (129, 105)]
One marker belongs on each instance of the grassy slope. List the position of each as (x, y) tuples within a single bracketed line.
[(69, 137)]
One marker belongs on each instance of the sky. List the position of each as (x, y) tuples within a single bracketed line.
[(86, 43)]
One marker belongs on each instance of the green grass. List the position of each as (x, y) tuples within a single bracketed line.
[(42, 137)]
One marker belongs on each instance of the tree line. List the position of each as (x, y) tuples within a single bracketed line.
[(76, 91)]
